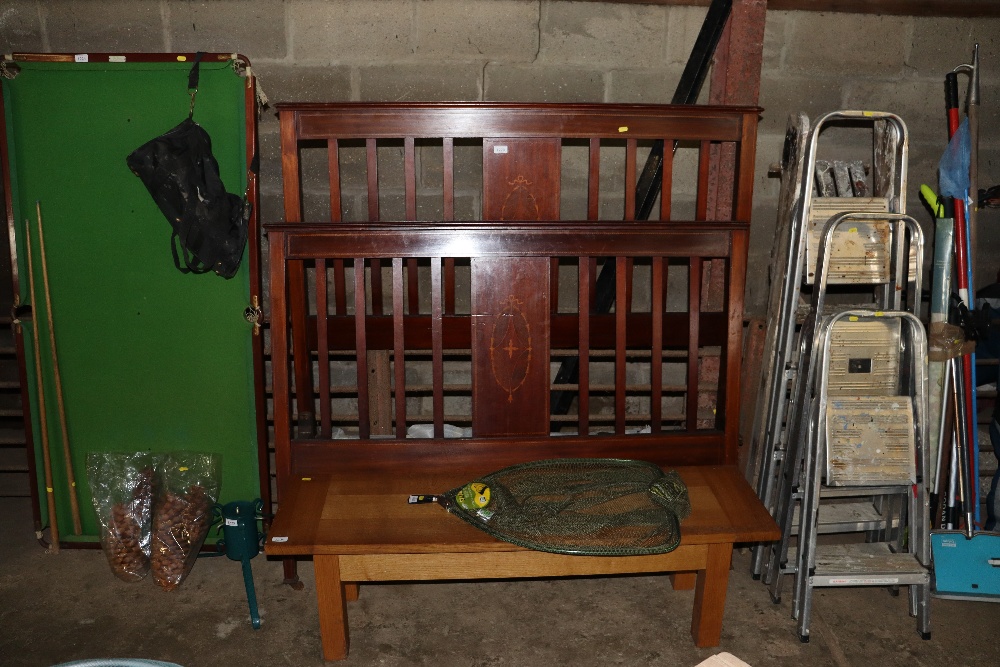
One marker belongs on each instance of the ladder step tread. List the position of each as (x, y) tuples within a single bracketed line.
[(846, 517), (864, 560), (859, 491)]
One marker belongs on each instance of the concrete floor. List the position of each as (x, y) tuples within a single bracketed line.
[(61, 607)]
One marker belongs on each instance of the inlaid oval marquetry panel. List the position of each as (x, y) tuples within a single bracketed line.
[(520, 203), (510, 347)]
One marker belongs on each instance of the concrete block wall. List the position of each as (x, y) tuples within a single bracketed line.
[(551, 50)]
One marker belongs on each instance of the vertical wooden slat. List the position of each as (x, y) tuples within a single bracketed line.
[(630, 170), (290, 177), (629, 273), (704, 166), (339, 279), (583, 375), (410, 178), (371, 158), (448, 157), (361, 346), (333, 167), (379, 392), (746, 153), (621, 268), (594, 180), (300, 347), (659, 289), (554, 282), (437, 350), (448, 187), (732, 359), (694, 317), (593, 284), (399, 349), (667, 186), (279, 359), (371, 149), (323, 348), (630, 150), (656, 352), (410, 195)]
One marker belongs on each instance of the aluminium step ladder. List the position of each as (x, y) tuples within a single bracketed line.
[(863, 444)]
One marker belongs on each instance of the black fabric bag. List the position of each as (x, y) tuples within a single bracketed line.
[(182, 175)]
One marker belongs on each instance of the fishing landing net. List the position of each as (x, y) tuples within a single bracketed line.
[(596, 507)]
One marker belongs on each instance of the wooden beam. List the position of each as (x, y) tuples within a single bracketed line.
[(735, 80), (933, 8)]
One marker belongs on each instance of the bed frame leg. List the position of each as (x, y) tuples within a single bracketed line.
[(710, 596), (330, 595), (291, 570)]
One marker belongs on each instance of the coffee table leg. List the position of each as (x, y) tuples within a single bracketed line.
[(683, 581), (332, 607), (710, 596)]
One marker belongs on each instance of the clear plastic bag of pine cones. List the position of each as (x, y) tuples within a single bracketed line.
[(122, 488), (187, 490)]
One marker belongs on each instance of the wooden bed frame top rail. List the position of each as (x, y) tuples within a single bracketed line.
[(387, 240), (363, 120)]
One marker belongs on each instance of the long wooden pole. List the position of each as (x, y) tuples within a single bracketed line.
[(50, 498), (67, 453)]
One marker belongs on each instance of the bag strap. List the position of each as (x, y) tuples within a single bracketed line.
[(253, 169), (193, 76), (191, 263)]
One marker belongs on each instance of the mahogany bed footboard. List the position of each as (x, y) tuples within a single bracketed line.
[(488, 366)]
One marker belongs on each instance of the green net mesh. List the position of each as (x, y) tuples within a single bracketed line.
[(600, 507)]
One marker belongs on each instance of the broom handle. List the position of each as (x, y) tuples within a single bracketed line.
[(50, 498), (67, 454)]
